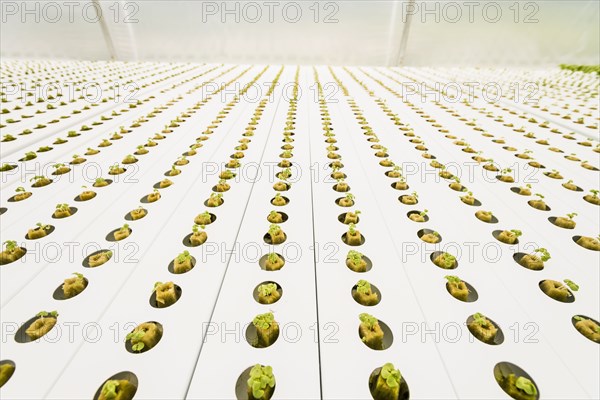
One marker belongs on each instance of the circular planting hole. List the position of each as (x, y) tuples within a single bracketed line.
[(344, 202), (128, 385), (165, 295), (558, 291), (588, 243), (81, 199), (97, 258), (443, 260), (587, 327), (457, 188), (17, 254), (182, 270), (365, 264), (162, 184), (525, 261), (345, 239), (366, 300), (429, 236), (200, 221), (498, 237), (562, 222), (35, 328), (537, 206), (4, 209), (507, 374), (342, 219), (242, 392), (458, 292), (488, 333), (339, 188), (517, 190), (110, 237), (187, 241), (138, 215), (377, 393), (148, 337), (252, 337), (400, 186), (59, 292), (483, 217), (267, 239), (72, 210), (408, 199), (8, 368), (285, 202), (373, 340), (35, 232), (267, 292), (274, 219), (104, 183), (273, 265), (417, 216)]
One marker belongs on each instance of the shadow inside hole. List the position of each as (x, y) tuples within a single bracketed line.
[(423, 232), (473, 296), (241, 386), (145, 200), (287, 201), (4, 261), (158, 185), (59, 293), (3, 210), (78, 198), (476, 203), (262, 262), (374, 289), (154, 302), (159, 329), (252, 337), (128, 216), (341, 189), (530, 202), (108, 182), (110, 237), (72, 211), (50, 229), (10, 371), (267, 239), (342, 219), (494, 220), (388, 336), (576, 240), (435, 254), (496, 340), (459, 189), (345, 240), (574, 321), (403, 392), (416, 212), (188, 243), (171, 267), (496, 235), (284, 218), (86, 260), (404, 200), (22, 337), (517, 190), (121, 376), (553, 222), (255, 292), (550, 289), (503, 369)]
